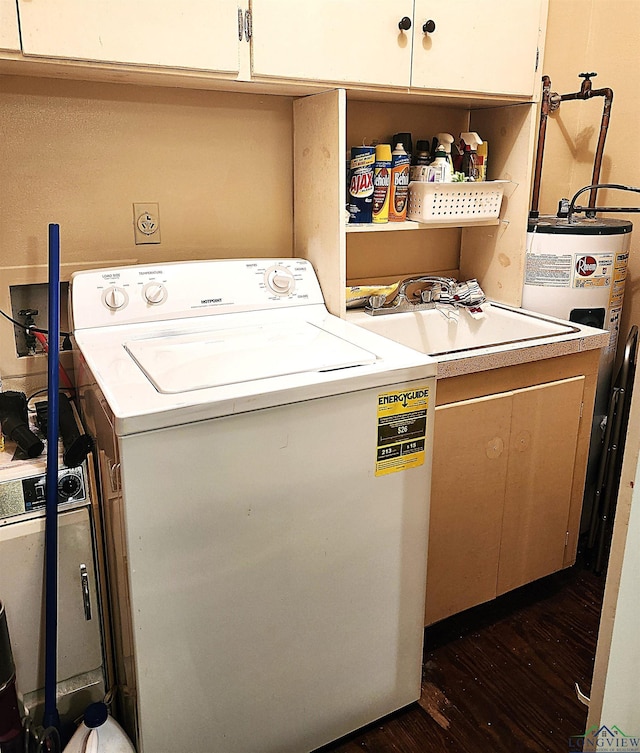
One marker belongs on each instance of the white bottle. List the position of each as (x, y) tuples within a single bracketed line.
[(439, 171), (99, 733)]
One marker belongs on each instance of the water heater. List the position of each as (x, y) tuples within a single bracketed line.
[(576, 270)]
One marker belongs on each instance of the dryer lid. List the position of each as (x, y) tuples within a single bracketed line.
[(198, 360)]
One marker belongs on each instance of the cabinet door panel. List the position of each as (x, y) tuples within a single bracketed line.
[(355, 41), (471, 441), (9, 34), (544, 435), (198, 34), (487, 46)]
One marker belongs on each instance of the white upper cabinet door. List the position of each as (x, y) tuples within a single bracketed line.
[(345, 41), (485, 46), (194, 34), (9, 34)]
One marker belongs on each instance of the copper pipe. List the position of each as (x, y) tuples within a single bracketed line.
[(551, 102), (544, 113), (587, 92)]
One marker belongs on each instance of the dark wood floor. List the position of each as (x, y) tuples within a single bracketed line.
[(500, 678)]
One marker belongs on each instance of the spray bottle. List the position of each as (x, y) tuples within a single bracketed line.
[(439, 171), (469, 158), (445, 140), (399, 193)]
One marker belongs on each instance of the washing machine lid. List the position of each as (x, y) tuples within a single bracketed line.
[(190, 361)]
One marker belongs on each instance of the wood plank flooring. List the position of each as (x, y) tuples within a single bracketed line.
[(500, 678)]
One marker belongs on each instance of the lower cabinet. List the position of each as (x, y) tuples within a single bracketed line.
[(508, 479)]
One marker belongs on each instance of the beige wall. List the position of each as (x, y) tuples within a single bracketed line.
[(80, 154), (587, 36)]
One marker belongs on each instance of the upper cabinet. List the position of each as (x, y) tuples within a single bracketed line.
[(483, 46), (9, 32), (466, 45), (357, 42), (197, 34)]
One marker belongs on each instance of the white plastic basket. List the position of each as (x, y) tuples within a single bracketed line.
[(454, 202)]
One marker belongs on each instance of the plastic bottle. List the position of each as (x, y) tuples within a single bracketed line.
[(469, 158), (439, 171), (399, 190), (483, 158), (381, 183), (99, 733), (445, 140)]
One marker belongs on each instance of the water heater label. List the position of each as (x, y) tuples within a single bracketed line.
[(402, 430), (548, 270), (592, 270)]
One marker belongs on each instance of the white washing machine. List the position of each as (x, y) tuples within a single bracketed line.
[(267, 469)]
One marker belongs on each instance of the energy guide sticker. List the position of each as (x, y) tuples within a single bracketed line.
[(402, 429)]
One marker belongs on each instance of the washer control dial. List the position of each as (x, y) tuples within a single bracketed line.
[(69, 486), (115, 298), (154, 293), (279, 280)]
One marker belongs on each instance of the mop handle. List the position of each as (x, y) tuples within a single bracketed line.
[(51, 716)]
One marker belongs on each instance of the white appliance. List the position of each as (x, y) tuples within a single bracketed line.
[(266, 473), (80, 669), (577, 270)]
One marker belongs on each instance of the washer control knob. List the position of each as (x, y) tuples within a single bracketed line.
[(69, 485), (115, 298), (280, 281), (154, 293)]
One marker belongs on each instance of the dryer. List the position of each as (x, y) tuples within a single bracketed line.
[(265, 474)]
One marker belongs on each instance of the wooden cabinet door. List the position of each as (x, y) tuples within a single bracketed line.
[(350, 41), (544, 435), (196, 34), (9, 34), (471, 444), (477, 46)]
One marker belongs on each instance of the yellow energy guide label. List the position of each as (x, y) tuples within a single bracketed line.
[(402, 429)]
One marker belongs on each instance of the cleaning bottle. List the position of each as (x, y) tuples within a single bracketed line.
[(483, 158), (469, 158), (381, 183), (99, 733), (445, 140), (399, 192), (439, 171), (361, 184)]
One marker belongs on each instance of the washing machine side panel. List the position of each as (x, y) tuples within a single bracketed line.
[(277, 583)]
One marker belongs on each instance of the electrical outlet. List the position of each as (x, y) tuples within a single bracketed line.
[(146, 223)]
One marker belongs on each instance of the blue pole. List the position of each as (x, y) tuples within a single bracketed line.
[(51, 716)]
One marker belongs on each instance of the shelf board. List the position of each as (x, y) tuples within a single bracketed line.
[(371, 227)]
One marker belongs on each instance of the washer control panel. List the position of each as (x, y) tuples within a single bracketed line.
[(29, 493), (142, 293)]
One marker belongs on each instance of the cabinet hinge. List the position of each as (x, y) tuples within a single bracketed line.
[(248, 25), (537, 57), (240, 24), (566, 540), (581, 409)]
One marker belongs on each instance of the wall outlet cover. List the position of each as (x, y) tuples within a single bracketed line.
[(146, 223)]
